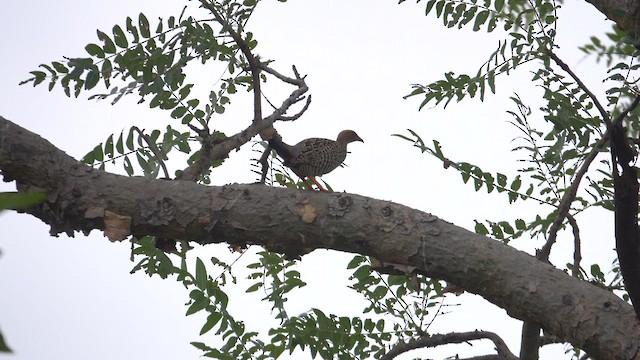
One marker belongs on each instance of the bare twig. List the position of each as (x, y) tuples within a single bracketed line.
[(451, 338), (577, 253), (297, 115), (297, 81), (154, 149)]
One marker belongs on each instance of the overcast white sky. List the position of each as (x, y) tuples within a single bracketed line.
[(73, 298)]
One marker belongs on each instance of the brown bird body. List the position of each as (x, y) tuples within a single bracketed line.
[(316, 156)]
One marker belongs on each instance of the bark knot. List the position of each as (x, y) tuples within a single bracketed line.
[(160, 213), (339, 205)]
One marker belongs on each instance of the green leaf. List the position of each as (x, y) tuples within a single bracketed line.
[(212, 320), (38, 77), (197, 306), (119, 144), (201, 275), (516, 183), (491, 79), (178, 112), (109, 47), (94, 50), (4, 348), (481, 18), (61, 68), (200, 346), (98, 155), (21, 200), (119, 37), (108, 147), (143, 23), (127, 166), (106, 71), (357, 260), (129, 141), (92, 79), (132, 30), (481, 229)]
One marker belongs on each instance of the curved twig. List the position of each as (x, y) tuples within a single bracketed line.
[(451, 338), (567, 69)]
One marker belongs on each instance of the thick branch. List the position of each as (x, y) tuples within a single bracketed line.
[(625, 13), (626, 187), (295, 222), (530, 341)]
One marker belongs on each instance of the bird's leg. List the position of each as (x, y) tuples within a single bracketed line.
[(313, 178), (264, 161), (307, 184)]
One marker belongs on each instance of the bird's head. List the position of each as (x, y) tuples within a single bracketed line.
[(347, 136)]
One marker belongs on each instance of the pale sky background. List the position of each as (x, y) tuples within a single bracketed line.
[(73, 298)]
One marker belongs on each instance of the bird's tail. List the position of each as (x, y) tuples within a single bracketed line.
[(285, 151)]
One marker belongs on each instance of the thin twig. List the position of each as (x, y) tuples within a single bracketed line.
[(297, 116), (297, 81), (565, 67)]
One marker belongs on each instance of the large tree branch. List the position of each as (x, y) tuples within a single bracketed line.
[(625, 13), (295, 222)]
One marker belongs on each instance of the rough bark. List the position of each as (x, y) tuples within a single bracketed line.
[(295, 222), (625, 13)]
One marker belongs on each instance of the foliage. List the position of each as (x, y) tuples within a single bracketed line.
[(21, 200), (3, 345), (557, 152), (327, 335)]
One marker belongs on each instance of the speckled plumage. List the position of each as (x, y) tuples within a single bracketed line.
[(316, 156)]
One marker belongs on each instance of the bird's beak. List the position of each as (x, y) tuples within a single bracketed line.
[(359, 139)]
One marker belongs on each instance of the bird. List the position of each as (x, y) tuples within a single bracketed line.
[(314, 156)]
